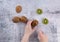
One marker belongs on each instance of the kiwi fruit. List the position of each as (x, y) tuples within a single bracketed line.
[(18, 9), (34, 23), (45, 21), (39, 11), (16, 19), (23, 19)]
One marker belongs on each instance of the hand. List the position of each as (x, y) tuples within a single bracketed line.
[(42, 37), (28, 32), (28, 29)]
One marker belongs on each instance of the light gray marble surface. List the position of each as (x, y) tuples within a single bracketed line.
[(13, 32)]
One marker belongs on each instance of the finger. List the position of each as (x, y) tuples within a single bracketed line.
[(42, 37), (29, 22), (41, 34)]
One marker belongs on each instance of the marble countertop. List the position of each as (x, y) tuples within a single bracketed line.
[(12, 32)]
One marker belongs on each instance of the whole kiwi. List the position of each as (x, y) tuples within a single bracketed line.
[(23, 19), (34, 23), (18, 9), (16, 19)]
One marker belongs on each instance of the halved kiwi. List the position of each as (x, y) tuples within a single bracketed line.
[(39, 11), (45, 21)]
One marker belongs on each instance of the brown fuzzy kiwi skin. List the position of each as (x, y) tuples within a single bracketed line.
[(23, 19), (18, 9), (15, 19), (34, 23)]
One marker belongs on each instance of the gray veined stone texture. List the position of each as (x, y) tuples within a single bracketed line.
[(13, 32)]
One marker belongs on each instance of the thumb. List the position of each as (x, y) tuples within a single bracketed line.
[(40, 34), (42, 37), (29, 23)]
